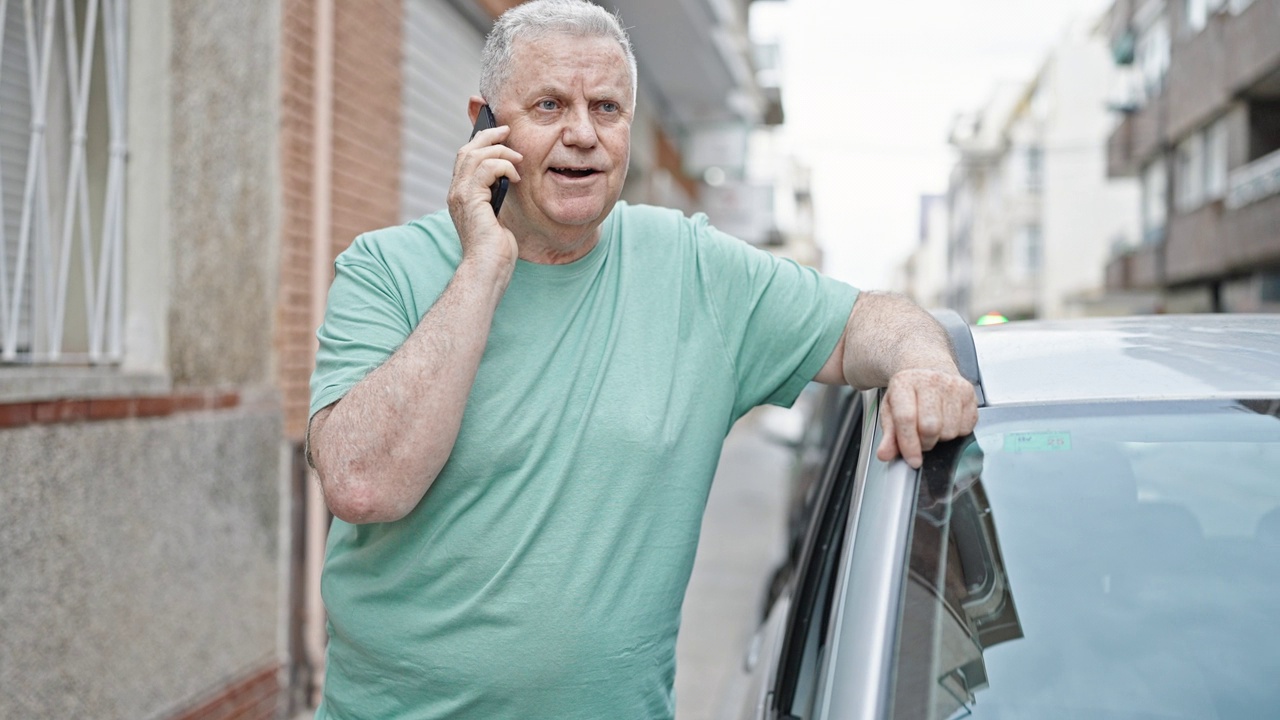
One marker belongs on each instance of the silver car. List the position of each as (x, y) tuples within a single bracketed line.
[(1105, 545)]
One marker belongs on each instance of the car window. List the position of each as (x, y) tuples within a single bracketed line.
[(1107, 560), (804, 643)]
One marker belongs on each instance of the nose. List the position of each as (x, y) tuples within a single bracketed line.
[(579, 129)]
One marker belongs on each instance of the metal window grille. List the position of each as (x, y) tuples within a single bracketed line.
[(62, 180)]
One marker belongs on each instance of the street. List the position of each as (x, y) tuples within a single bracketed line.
[(743, 539)]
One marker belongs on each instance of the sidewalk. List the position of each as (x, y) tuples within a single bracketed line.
[(743, 540)]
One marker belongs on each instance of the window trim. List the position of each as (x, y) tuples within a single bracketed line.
[(842, 463), (868, 618)]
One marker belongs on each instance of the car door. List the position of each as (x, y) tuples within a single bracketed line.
[(825, 649), (802, 652), (775, 660), (857, 682)]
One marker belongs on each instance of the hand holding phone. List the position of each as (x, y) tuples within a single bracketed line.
[(497, 191)]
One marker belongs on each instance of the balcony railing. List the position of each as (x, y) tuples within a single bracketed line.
[(1256, 181)]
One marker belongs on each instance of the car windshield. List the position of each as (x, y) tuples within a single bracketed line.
[(1097, 560)]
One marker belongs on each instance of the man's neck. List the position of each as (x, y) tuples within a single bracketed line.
[(557, 250)]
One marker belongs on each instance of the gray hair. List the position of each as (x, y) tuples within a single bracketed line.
[(538, 18)]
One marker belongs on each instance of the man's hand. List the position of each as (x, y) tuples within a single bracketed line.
[(890, 342), (922, 408), (478, 165)]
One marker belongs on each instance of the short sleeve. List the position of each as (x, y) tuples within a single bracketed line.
[(780, 320), (366, 320)]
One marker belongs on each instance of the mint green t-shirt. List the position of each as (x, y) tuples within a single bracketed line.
[(542, 574)]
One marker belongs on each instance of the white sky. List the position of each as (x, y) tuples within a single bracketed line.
[(870, 90)]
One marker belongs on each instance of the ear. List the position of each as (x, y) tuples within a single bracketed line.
[(473, 107)]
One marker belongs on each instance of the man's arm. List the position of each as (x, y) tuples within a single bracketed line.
[(379, 448), (891, 342)]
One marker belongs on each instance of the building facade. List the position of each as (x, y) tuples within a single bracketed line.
[(923, 277), (974, 258), (1201, 131), (176, 178), (141, 429), (1033, 213)]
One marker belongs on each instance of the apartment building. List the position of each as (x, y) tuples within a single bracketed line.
[(1201, 131), (176, 178), (976, 264), (923, 276), (1032, 211)]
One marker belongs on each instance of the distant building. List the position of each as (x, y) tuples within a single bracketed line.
[(1033, 213), (752, 185), (975, 248), (923, 277), (1201, 131)]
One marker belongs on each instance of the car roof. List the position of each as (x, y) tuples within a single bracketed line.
[(1145, 357)]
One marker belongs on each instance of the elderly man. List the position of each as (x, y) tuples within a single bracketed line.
[(516, 417)]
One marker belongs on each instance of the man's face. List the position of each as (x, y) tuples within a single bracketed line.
[(569, 104)]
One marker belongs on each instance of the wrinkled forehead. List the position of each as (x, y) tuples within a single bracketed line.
[(541, 58)]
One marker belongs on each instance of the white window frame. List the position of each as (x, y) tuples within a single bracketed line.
[(1028, 249), (1034, 158), (1153, 47), (1215, 160), (1190, 176), (1155, 210), (1195, 15), (70, 213)]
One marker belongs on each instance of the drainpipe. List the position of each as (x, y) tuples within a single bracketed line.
[(317, 516)]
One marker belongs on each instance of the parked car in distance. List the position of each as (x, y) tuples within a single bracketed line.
[(1105, 545)]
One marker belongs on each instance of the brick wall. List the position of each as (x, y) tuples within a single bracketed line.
[(365, 163), (98, 409), (366, 117), (1252, 50), (295, 345), (1197, 79), (1194, 247), (251, 697), (1253, 236)]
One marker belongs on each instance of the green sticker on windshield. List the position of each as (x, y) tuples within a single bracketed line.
[(1037, 441)]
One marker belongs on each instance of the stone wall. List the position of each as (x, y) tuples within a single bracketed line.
[(141, 561)]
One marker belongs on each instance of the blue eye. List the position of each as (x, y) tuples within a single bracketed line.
[(609, 107), (547, 105)]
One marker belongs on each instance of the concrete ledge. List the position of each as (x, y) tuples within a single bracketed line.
[(36, 383)]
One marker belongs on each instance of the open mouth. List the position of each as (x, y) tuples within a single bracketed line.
[(574, 172)]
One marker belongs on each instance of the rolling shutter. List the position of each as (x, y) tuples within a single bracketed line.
[(441, 70), (15, 140)]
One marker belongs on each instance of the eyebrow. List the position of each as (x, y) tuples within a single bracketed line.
[(592, 94)]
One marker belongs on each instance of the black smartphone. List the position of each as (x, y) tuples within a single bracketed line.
[(497, 191)]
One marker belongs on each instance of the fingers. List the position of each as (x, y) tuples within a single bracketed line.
[(922, 408), (906, 422), (488, 144), (479, 164), (888, 449)]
